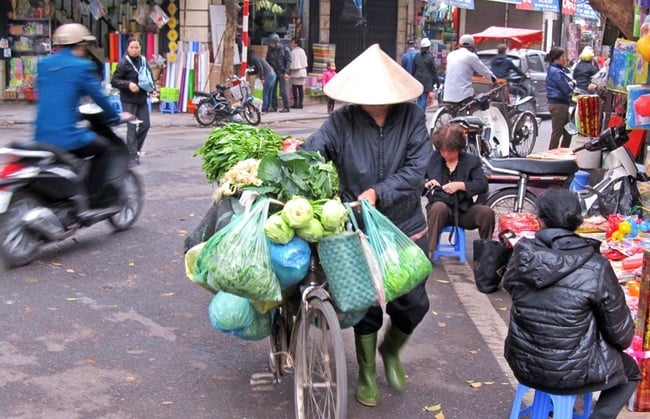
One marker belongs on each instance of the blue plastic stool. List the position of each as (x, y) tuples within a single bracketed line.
[(168, 107), (545, 403), (115, 103), (455, 249)]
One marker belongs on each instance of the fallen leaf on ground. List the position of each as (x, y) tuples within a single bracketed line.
[(70, 271), (131, 263), (57, 264), (488, 382), (442, 281), (71, 299), (182, 233), (474, 352), (435, 313), (503, 308), (442, 324), (432, 408), (130, 379), (31, 280), (169, 294), (474, 384), (439, 416), (167, 402)]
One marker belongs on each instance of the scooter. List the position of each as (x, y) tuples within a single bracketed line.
[(215, 108), (44, 198)]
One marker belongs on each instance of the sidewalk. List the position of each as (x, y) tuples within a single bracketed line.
[(23, 112)]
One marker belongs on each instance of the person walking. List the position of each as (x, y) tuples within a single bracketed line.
[(559, 89), (133, 97), (328, 75), (279, 57), (380, 146), (585, 69), (424, 71), (265, 72), (461, 66), (298, 72), (560, 278), (409, 55)]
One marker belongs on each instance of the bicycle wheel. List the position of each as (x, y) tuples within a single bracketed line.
[(524, 134), (320, 379), (505, 201), (204, 113), (441, 118), (251, 114)]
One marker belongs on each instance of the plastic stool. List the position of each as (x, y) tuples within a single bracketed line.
[(456, 249), (168, 107), (544, 403), (115, 103)]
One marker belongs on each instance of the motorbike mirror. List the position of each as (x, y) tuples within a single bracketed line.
[(571, 128)]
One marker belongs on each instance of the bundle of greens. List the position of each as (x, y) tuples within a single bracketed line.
[(232, 143)]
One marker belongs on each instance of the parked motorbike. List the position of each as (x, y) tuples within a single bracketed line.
[(44, 198), (215, 108)]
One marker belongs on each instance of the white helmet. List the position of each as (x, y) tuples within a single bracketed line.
[(466, 40), (425, 43), (71, 33)]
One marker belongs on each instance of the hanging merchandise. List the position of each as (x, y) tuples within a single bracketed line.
[(158, 15), (141, 13)]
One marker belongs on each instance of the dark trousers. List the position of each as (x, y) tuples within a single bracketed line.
[(439, 215), (135, 135), (330, 105), (405, 312), (613, 399), (107, 168), (280, 83), (298, 94), (559, 118)]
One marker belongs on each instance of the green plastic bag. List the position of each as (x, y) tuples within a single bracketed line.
[(403, 264), (241, 264)]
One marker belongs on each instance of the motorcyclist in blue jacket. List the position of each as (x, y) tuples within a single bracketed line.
[(63, 80)]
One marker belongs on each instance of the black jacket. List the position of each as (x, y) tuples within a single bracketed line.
[(582, 74), (501, 66), (468, 170), (424, 70), (569, 320), (125, 74), (392, 160), (280, 59)]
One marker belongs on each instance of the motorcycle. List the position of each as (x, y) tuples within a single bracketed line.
[(214, 108), (44, 198)]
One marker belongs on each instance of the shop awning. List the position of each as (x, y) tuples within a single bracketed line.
[(517, 37)]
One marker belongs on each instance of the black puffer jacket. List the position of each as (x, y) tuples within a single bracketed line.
[(424, 70), (569, 320), (125, 74), (280, 59), (392, 160)]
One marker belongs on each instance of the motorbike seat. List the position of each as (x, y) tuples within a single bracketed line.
[(470, 123), (537, 167), (60, 155)]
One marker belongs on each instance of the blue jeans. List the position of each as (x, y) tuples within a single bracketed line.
[(267, 91)]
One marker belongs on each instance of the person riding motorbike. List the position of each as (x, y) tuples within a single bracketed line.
[(502, 67), (64, 79)]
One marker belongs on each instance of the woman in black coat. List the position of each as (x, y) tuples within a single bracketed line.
[(133, 97), (454, 177), (569, 321)]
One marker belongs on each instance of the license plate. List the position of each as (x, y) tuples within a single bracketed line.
[(5, 199)]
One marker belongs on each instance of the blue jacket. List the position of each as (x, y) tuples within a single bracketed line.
[(558, 89), (63, 79)]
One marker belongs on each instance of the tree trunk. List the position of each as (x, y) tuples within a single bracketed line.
[(229, 39), (620, 13)]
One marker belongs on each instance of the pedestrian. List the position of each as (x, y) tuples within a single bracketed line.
[(461, 66), (328, 74), (279, 57), (409, 55), (265, 72), (454, 178), (298, 72), (584, 70), (380, 146), (559, 89), (133, 97), (424, 71), (569, 322)]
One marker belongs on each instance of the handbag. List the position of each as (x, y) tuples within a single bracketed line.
[(490, 263), (145, 81)]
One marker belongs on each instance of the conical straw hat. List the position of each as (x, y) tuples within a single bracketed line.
[(373, 78)]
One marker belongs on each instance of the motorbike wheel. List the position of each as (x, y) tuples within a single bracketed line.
[(204, 113), (524, 134), (134, 197), (251, 114), (441, 118), (505, 200), (18, 245)]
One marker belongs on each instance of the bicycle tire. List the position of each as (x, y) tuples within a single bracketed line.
[(204, 113), (280, 360), (251, 114), (320, 377), (504, 201), (441, 118), (524, 134)]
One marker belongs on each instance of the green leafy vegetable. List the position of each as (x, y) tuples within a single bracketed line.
[(232, 143)]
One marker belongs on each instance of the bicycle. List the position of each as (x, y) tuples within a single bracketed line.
[(306, 339)]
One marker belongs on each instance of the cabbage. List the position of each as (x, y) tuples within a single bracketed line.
[(277, 230), (297, 212), (333, 214), (312, 232)]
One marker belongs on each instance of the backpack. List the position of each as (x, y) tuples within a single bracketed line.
[(145, 81)]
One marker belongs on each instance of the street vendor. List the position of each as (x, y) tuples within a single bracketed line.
[(380, 146)]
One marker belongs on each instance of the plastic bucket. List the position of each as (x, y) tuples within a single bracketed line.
[(580, 181), (586, 159)]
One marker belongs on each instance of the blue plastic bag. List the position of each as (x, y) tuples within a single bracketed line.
[(236, 316), (290, 261)]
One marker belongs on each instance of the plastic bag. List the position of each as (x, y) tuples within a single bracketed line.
[(621, 197), (217, 217), (403, 264), (236, 316), (290, 261), (241, 264)]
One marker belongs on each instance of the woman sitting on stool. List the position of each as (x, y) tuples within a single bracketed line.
[(454, 177)]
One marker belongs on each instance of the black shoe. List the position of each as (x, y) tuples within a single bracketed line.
[(285, 110), (273, 109)]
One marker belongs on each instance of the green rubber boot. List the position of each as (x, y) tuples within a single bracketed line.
[(389, 350), (367, 392)]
